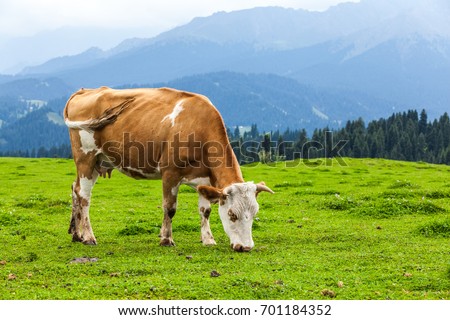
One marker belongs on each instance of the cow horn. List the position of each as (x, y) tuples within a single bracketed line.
[(226, 192), (262, 187)]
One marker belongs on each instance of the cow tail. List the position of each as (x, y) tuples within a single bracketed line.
[(109, 116)]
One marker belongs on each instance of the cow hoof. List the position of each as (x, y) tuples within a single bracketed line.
[(91, 242), (240, 248), (167, 243), (209, 242), (76, 238)]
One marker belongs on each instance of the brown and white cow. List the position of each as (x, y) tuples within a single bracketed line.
[(166, 134)]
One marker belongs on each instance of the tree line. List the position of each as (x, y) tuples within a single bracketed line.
[(61, 151), (403, 136)]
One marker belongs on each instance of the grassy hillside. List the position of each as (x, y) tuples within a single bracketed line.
[(373, 229)]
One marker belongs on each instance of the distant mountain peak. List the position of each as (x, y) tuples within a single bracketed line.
[(394, 50)]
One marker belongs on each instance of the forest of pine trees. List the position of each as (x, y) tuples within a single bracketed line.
[(403, 136)]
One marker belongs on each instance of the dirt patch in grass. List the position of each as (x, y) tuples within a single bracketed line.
[(83, 260)]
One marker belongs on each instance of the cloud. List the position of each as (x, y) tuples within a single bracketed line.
[(27, 17), (32, 32)]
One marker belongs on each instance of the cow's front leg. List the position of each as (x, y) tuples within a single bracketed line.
[(204, 207), (170, 193)]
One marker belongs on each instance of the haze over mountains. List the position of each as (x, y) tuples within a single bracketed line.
[(356, 59)]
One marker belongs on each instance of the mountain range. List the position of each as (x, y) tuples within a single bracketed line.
[(277, 67), (270, 101)]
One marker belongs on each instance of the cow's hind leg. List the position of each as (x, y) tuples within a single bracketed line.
[(76, 215), (80, 225), (170, 193), (204, 208)]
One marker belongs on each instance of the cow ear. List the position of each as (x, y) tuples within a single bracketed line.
[(210, 193), (262, 187)]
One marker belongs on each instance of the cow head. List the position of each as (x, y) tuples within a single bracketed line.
[(237, 208)]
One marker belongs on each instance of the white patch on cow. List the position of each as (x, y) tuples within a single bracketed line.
[(203, 202), (174, 190), (87, 141), (86, 186), (176, 111), (203, 206), (200, 181)]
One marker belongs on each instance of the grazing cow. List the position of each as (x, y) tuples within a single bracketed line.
[(166, 134)]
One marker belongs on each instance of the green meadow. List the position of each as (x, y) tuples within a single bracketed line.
[(359, 229)]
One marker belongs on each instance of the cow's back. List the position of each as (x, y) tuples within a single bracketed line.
[(160, 111), (88, 104)]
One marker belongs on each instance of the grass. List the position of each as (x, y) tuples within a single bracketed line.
[(374, 229)]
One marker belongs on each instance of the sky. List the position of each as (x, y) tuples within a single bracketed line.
[(24, 21)]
